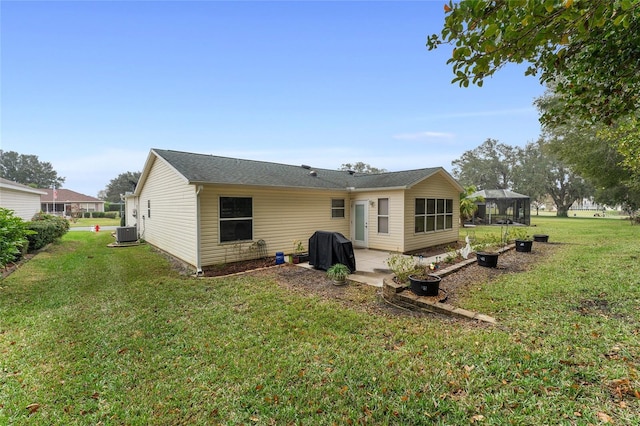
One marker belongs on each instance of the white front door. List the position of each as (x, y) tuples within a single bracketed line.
[(360, 225)]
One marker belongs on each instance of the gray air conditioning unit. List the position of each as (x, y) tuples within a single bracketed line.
[(126, 234)]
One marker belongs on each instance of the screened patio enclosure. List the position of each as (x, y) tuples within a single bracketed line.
[(502, 206)]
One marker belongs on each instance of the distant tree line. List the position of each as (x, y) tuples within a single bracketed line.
[(531, 171)]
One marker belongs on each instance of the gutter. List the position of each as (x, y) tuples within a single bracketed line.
[(382, 188), (199, 271)]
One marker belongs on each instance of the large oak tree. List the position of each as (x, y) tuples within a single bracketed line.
[(120, 185), (596, 152), (28, 170), (489, 166)]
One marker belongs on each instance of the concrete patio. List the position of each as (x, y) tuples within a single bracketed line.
[(371, 266)]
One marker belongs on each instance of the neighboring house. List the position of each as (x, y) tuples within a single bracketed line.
[(65, 202), (208, 210), (22, 199), (590, 204)]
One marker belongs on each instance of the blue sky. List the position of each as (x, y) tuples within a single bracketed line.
[(91, 87)]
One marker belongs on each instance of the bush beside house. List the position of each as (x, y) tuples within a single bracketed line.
[(13, 237), (99, 215), (47, 228)]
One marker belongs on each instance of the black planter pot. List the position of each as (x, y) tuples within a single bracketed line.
[(524, 246), (487, 259), (425, 286), (541, 238)]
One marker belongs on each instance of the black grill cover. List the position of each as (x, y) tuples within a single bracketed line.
[(328, 248)]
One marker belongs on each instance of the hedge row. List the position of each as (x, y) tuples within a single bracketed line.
[(48, 228), (114, 207), (94, 215)]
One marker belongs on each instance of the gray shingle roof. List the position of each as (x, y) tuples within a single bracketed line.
[(203, 168), (497, 194), (9, 184)]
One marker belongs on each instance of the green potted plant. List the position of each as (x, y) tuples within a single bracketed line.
[(338, 273), (424, 283), (299, 253), (522, 240), (487, 250)]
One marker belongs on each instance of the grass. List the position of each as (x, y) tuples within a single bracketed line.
[(102, 221), (93, 335), (609, 214)]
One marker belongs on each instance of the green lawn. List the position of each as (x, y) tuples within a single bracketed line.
[(84, 222), (95, 335)]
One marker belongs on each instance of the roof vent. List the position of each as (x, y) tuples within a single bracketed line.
[(313, 173), (304, 166)]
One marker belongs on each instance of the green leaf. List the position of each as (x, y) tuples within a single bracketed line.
[(618, 19), (491, 30)]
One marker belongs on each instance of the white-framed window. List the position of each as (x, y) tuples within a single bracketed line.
[(236, 219), (148, 208), (337, 208), (383, 215), (433, 214)]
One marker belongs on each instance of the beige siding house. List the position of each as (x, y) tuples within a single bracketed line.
[(206, 210), (23, 200)]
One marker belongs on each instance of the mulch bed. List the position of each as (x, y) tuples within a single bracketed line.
[(252, 264), (509, 262), (236, 267), (310, 282)]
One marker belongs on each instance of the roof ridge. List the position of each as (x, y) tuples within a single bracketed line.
[(250, 160), (211, 168)]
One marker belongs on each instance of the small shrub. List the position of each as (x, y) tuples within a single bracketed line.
[(402, 266), (489, 241), (13, 237), (46, 229), (451, 256), (298, 247), (519, 234), (338, 272)]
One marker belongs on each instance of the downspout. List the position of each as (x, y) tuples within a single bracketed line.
[(198, 233)]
